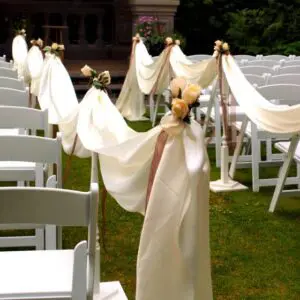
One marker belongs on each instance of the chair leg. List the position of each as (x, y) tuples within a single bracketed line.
[(256, 157), (238, 148), (284, 172)]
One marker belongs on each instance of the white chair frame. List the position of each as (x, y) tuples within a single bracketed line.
[(37, 152), (73, 271)]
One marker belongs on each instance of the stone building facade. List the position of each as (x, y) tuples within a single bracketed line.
[(91, 29)]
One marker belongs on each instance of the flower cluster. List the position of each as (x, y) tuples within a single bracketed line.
[(39, 42), (146, 25), (221, 48), (184, 97), (99, 81), (21, 32), (55, 49)]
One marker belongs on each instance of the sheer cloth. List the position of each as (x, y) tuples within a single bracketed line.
[(19, 53), (174, 257)]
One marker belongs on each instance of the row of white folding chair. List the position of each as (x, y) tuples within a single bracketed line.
[(13, 97), (22, 166), (284, 94)]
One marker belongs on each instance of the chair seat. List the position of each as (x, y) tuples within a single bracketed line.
[(284, 147), (36, 274)]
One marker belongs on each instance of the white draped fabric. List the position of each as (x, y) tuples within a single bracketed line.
[(33, 69), (176, 221), (270, 117), (144, 74), (19, 53), (57, 92)]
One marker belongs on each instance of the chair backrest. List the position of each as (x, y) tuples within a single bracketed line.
[(63, 208), (266, 63), (7, 72), (257, 70), (3, 58), (283, 93), (276, 57), (12, 83), (199, 57), (285, 79), (290, 63), (5, 64), (32, 149), (244, 57), (256, 79), (13, 97), (295, 69), (23, 117)]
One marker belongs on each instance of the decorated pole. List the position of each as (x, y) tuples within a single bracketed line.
[(225, 183)]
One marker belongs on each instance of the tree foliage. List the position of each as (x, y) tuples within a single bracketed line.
[(261, 26)]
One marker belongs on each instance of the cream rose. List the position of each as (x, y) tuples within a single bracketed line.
[(86, 71), (177, 42), (169, 40), (191, 93), (40, 42), (180, 108), (176, 84), (225, 47), (54, 46)]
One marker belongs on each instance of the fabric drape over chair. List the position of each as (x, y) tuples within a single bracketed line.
[(270, 117), (175, 231)]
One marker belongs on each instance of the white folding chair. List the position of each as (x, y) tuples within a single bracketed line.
[(13, 97), (8, 72), (56, 274), (26, 158), (5, 64), (282, 94), (295, 69), (257, 70), (284, 79), (275, 57), (12, 83), (245, 57)]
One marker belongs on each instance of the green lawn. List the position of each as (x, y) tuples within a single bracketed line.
[(255, 254)]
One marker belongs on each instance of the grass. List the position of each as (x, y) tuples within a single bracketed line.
[(255, 254)]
